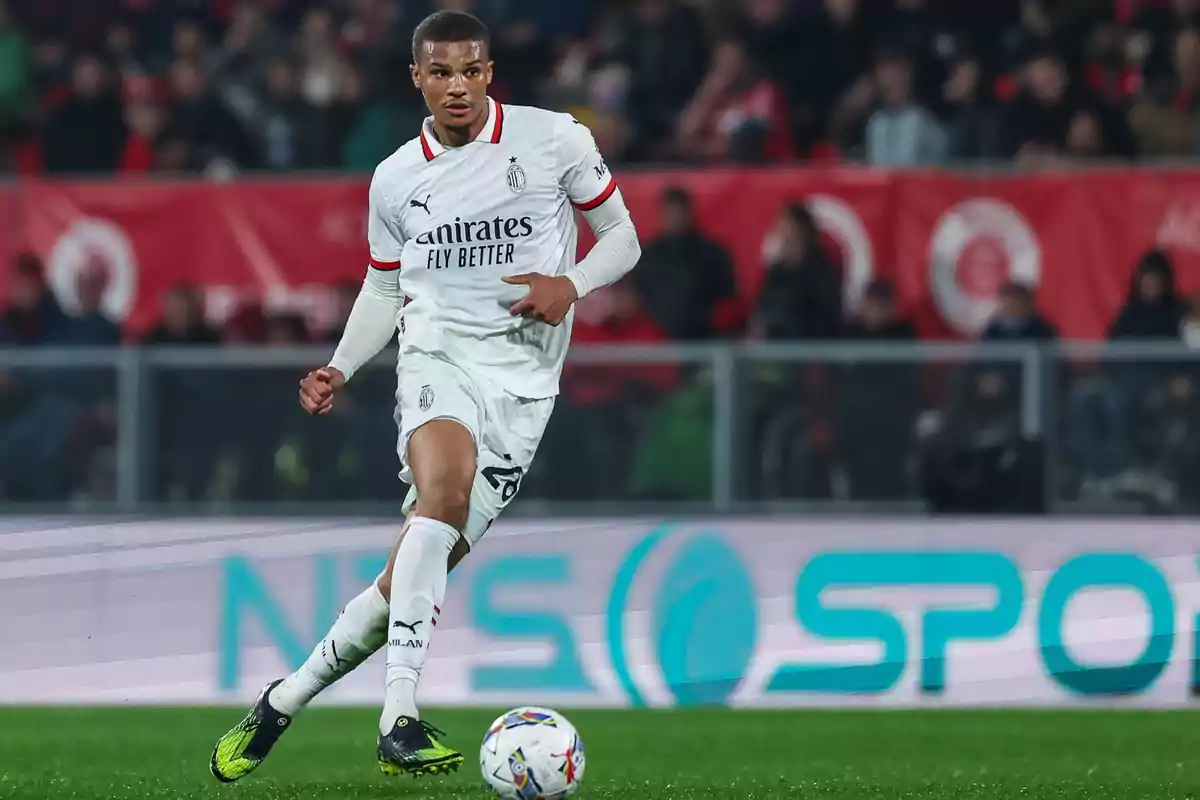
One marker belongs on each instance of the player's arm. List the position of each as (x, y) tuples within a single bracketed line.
[(593, 190), (372, 321)]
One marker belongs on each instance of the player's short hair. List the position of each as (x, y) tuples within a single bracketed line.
[(449, 26)]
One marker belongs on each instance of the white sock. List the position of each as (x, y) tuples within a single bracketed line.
[(359, 631), (418, 588)]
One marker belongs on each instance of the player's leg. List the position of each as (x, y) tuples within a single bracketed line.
[(441, 455), (466, 468), (506, 450), (359, 631)]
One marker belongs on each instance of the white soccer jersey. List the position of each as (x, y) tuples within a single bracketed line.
[(450, 223)]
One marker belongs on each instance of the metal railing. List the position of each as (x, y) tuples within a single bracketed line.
[(736, 428)]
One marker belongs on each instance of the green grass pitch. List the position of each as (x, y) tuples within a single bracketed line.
[(158, 754)]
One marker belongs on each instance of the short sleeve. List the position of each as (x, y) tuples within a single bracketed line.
[(585, 176), (383, 229)]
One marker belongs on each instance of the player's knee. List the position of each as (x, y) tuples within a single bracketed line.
[(448, 502)]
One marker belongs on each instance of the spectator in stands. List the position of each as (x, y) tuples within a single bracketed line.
[(902, 133), (87, 132), (1017, 318), (173, 155), (89, 325), (974, 458), (202, 121), (16, 83), (122, 52), (1035, 125), (1085, 137), (801, 297), (146, 121), (288, 127), (772, 32), (50, 72), (182, 320), (1153, 32), (973, 121), (630, 76), (1129, 390), (1153, 309), (1034, 30), (1111, 428), (737, 114), (878, 318), (1107, 72), (240, 63), (666, 40), (875, 429), (837, 53), (321, 59), (33, 315), (190, 43), (925, 34), (521, 45), (1163, 118), (686, 280)]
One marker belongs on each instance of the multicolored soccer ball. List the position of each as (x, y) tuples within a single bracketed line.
[(532, 753)]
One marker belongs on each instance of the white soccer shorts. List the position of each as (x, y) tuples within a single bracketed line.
[(507, 430)]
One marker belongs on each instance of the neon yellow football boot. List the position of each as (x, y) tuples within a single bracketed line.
[(410, 748), (239, 752)]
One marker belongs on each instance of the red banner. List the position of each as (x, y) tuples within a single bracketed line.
[(949, 241)]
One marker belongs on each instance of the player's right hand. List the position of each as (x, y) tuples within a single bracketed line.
[(318, 388)]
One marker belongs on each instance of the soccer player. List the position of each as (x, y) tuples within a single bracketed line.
[(472, 239)]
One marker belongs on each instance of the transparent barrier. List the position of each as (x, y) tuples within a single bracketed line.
[(1126, 429), (746, 428), (59, 426)]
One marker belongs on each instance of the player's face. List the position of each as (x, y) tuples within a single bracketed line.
[(454, 78)]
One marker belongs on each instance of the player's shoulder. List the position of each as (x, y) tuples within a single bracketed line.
[(534, 115), (399, 166), (394, 175), (532, 122)]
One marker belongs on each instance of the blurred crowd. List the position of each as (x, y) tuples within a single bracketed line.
[(951, 434), (222, 86), (137, 86)]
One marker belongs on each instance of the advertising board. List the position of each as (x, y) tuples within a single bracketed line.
[(769, 612)]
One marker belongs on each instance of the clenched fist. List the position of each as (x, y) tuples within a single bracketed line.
[(318, 388)]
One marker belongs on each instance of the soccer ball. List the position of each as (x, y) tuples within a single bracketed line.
[(532, 753)]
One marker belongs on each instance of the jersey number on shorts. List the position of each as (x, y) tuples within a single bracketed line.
[(505, 480)]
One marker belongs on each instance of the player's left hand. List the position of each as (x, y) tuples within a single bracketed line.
[(549, 299)]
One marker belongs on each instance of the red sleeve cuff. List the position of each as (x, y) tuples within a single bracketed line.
[(383, 266), (599, 199)]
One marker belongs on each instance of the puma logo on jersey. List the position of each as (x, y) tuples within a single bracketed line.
[(419, 204)]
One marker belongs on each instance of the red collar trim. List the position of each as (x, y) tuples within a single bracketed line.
[(496, 111)]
